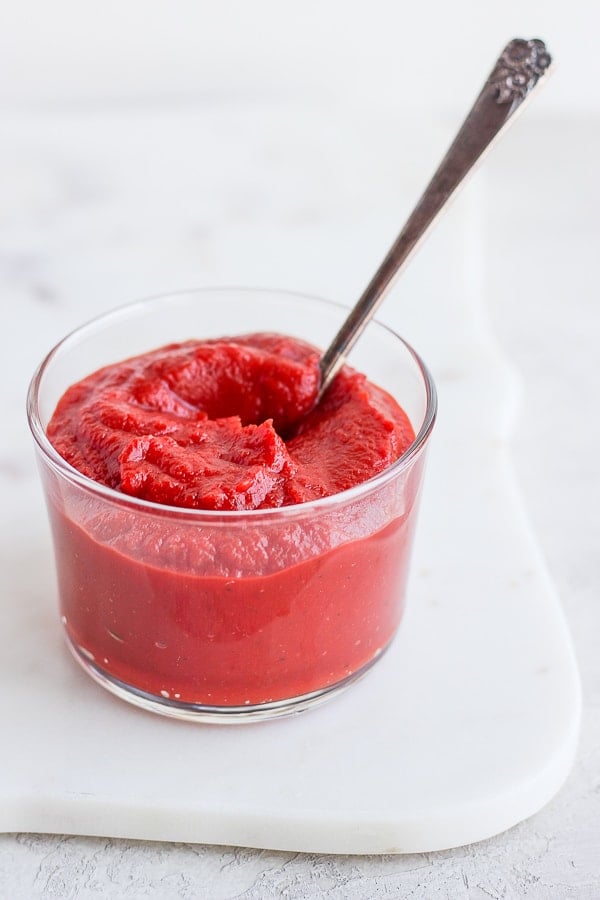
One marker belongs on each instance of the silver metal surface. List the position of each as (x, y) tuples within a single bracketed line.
[(521, 66)]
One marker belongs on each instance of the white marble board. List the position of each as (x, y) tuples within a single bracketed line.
[(467, 725)]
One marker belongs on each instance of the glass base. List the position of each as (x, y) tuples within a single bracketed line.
[(197, 712)]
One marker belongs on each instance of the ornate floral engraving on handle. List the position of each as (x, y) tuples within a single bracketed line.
[(521, 65)]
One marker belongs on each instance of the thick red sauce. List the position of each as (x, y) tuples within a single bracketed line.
[(214, 425), (238, 615)]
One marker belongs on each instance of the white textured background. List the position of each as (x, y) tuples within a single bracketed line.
[(393, 54), (542, 233)]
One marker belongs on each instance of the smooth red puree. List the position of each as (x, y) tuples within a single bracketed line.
[(218, 612)]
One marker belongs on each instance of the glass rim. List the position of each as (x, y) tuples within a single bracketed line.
[(66, 470)]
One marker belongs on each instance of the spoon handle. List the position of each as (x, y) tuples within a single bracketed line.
[(520, 67)]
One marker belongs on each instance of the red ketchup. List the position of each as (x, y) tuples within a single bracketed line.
[(221, 609)]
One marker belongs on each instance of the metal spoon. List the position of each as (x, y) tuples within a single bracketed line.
[(521, 66)]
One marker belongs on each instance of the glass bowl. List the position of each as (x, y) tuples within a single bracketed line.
[(230, 616)]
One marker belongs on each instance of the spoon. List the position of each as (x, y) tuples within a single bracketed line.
[(521, 66)]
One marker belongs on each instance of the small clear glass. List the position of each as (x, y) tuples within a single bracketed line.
[(230, 616)]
